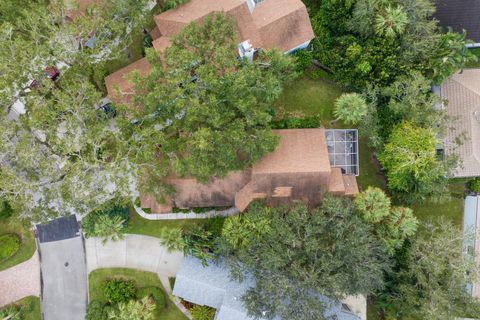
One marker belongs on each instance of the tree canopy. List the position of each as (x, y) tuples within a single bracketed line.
[(208, 114), (302, 254)]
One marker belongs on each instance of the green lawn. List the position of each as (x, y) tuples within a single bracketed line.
[(32, 307), (451, 210), (153, 228), (307, 96), (27, 247), (142, 279)]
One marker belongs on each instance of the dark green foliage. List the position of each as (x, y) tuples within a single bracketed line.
[(96, 311), (328, 251), (214, 225), (296, 122), (170, 4), (153, 293), (304, 59), (171, 281), (147, 42), (474, 185), (119, 290), (202, 312), (9, 245), (6, 210), (88, 223)]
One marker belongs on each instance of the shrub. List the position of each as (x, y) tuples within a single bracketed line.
[(9, 245), (89, 221), (119, 290), (96, 311), (303, 59), (6, 210), (147, 42), (296, 123), (474, 185), (154, 293), (202, 312)]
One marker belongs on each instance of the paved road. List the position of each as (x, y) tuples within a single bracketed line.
[(136, 252), (20, 281)]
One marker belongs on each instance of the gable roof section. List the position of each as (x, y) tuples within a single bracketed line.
[(119, 80), (462, 92), (299, 151), (460, 14)]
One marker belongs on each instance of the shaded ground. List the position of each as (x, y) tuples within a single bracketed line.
[(142, 279), (32, 307), (20, 281), (27, 247)]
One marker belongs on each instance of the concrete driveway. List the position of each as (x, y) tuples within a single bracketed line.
[(136, 252), (64, 272)]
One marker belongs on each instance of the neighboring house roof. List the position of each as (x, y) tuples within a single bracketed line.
[(462, 92), (282, 24), (211, 286), (118, 84), (460, 15), (298, 169)]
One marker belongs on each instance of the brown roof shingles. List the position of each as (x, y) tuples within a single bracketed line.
[(462, 92)]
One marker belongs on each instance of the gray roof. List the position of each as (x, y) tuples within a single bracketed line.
[(211, 286), (460, 15)]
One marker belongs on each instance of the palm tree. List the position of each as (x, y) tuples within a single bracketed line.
[(391, 22), (133, 310), (172, 238), (107, 227), (350, 108)]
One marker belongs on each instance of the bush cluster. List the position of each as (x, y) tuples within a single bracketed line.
[(296, 123), (119, 290), (88, 223), (474, 185), (9, 245), (202, 312)]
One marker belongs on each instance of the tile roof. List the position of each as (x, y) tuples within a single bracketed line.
[(462, 92), (460, 14), (212, 286)]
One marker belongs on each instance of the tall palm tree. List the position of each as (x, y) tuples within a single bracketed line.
[(391, 22), (350, 108), (108, 227)]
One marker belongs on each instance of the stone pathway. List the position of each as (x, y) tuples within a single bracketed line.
[(20, 281)]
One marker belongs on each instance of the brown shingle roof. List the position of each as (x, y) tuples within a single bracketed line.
[(462, 91), (119, 80), (299, 150), (283, 24)]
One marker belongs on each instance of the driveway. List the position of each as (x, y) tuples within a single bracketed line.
[(20, 281), (136, 252), (64, 273)]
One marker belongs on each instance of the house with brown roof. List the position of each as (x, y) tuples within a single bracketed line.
[(461, 93), (298, 170), (266, 24)]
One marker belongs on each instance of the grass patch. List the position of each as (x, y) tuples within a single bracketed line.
[(153, 228), (31, 305), (309, 97), (27, 246), (142, 279), (451, 210), (475, 51)]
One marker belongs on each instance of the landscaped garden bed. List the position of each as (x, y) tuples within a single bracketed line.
[(17, 243), (126, 284), (25, 309)]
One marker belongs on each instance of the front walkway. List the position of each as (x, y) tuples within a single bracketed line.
[(136, 252), (20, 281)]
